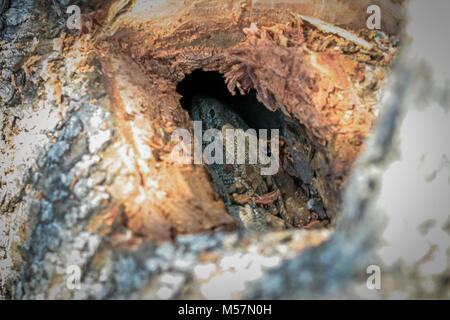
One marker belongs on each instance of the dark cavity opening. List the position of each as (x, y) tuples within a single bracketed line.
[(287, 199), (212, 84)]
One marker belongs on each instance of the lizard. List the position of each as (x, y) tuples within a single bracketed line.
[(259, 202)]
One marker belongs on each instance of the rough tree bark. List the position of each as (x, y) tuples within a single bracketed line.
[(85, 175)]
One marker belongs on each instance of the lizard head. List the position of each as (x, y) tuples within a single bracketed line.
[(214, 113)]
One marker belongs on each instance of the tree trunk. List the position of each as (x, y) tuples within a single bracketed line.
[(87, 178)]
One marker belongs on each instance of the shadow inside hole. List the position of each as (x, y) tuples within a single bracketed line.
[(212, 84)]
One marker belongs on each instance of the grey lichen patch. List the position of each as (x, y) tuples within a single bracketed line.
[(16, 15), (6, 92)]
